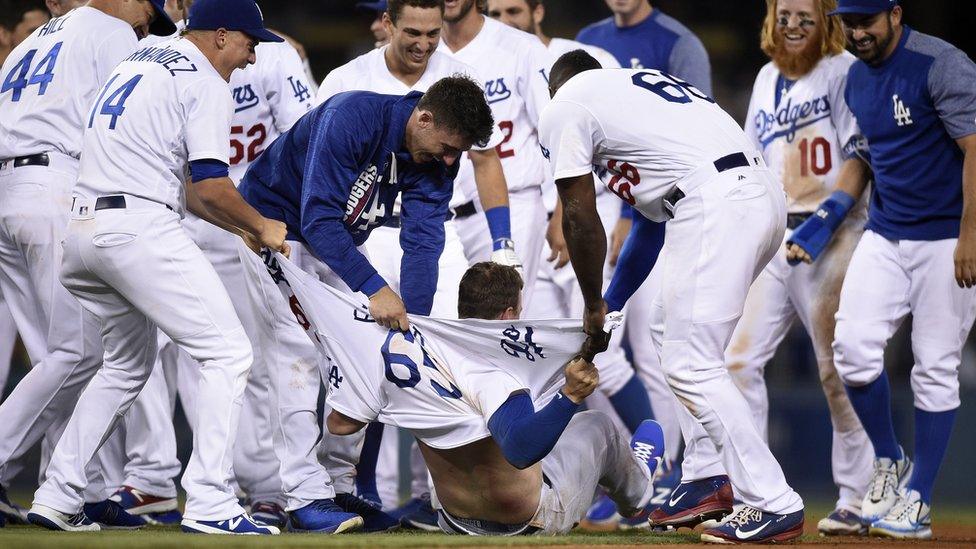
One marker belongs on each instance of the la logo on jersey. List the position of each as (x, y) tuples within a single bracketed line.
[(903, 114)]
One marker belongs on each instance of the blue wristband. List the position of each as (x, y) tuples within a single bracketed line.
[(626, 211), (207, 168), (499, 224)]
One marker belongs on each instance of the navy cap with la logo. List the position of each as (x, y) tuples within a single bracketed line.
[(863, 7), (234, 15)]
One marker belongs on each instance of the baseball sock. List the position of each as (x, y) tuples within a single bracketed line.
[(872, 402), (632, 404), (366, 468), (932, 431)]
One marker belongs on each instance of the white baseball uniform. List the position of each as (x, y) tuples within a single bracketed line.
[(8, 338), (805, 132), (49, 83), (512, 65), (444, 380), (269, 96), (724, 229), (128, 260)]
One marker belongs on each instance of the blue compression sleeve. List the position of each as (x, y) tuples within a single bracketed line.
[(527, 436), (499, 224), (206, 168), (637, 258), (626, 210)]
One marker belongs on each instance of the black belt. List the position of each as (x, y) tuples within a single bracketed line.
[(40, 159), (794, 220), (113, 202), (465, 210), (732, 161)]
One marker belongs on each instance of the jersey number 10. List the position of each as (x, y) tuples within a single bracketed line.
[(815, 157)]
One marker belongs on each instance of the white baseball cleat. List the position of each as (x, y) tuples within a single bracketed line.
[(909, 518), (241, 525), (889, 477), (52, 519)]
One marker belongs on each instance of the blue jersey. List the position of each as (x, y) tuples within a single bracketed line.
[(911, 109), (333, 178), (658, 42)]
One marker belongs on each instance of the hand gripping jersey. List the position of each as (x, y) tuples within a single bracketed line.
[(50, 80), (669, 130), (444, 379), (269, 97), (163, 107), (513, 65), (805, 129)]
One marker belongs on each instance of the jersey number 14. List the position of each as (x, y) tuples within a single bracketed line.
[(114, 104)]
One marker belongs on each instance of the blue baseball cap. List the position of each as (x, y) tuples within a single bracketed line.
[(375, 5), (864, 7), (161, 25), (236, 15)]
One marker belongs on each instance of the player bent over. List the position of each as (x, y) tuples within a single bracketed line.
[(499, 466), (129, 261), (688, 163), (912, 95)]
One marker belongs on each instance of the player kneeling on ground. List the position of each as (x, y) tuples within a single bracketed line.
[(499, 466)]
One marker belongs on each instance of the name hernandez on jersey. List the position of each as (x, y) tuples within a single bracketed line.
[(269, 97), (161, 108), (805, 132), (49, 81), (513, 65), (444, 379), (670, 132)]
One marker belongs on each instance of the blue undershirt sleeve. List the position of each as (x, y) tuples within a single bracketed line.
[(207, 168), (526, 436), (424, 207), (637, 258)]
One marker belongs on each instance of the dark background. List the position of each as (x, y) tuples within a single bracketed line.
[(333, 32)]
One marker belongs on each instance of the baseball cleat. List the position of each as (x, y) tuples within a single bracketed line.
[(137, 502), (167, 518), (52, 519), (374, 519), (841, 522), (269, 513), (602, 516), (109, 515), (647, 445), (750, 525), (695, 502), (323, 516), (241, 525), (10, 512), (909, 518), (423, 517), (889, 476)]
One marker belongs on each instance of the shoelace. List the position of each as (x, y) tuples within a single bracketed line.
[(744, 516), (904, 510), (353, 504), (643, 451), (78, 519), (882, 481)]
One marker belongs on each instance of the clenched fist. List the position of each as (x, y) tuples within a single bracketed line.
[(582, 378), (387, 309)]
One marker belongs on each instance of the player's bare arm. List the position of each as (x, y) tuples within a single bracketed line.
[(220, 197), (587, 243), (965, 255), (617, 238), (851, 183), (341, 424), (557, 239), (493, 192)]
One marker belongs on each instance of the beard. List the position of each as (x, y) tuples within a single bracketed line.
[(466, 6), (795, 65)]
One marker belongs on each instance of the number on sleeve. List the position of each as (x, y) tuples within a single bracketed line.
[(114, 104), (507, 127), (670, 88), (17, 77)]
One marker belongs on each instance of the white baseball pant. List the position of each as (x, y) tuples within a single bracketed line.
[(528, 214), (8, 339), (781, 294), (888, 279), (135, 268), (723, 234)]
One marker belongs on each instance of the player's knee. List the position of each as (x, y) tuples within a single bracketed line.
[(935, 379), (859, 360)]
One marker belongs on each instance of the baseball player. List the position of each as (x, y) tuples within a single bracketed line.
[(557, 293), (810, 140), (693, 158), (377, 8), (499, 467), (512, 65), (913, 98), (642, 36), (129, 262), (48, 85), (411, 61), (335, 176)]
